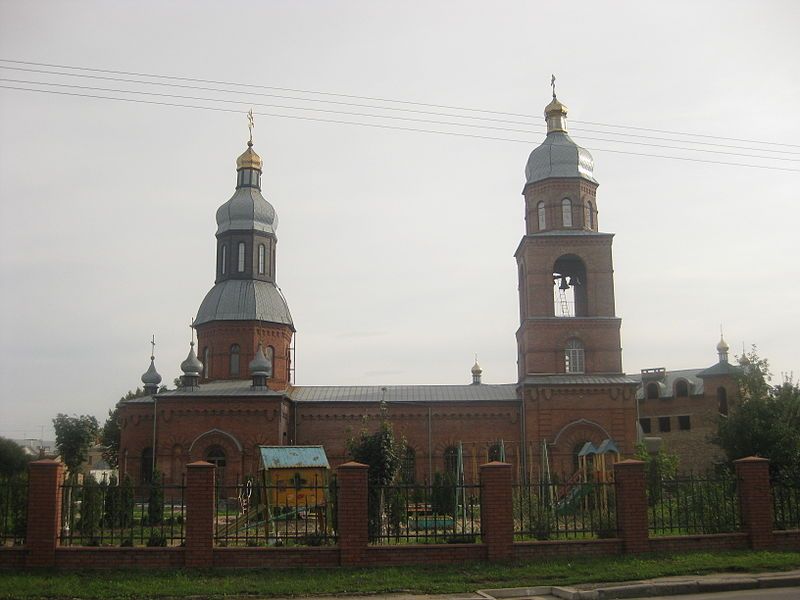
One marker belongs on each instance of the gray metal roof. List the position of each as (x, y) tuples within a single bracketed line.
[(721, 368), (293, 457), (666, 386), (559, 156), (244, 300), (247, 210), (233, 387), (403, 393), (578, 379)]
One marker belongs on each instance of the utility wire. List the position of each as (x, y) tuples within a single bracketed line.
[(377, 99), (384, 126), (393, 117)]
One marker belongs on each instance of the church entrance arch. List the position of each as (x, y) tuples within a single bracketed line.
[(222, 450)]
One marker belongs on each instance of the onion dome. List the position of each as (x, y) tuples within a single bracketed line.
[(192, 365), (260, 365), (151, 377), (558, 156), (476, 372), (722, 349), (249, 159)]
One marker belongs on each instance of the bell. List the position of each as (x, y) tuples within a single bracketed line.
[(564, 285)]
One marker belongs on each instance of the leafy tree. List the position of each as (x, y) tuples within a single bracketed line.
[(91, 510), (74, 436), (110, 436), (766, 422), (155, 501), (127, 502), (111, 508), (13, 460), (658, 467), (443, 493)]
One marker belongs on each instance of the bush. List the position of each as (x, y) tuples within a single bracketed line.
[(443, 494), (155, 501), (156, 540), (91, 507)]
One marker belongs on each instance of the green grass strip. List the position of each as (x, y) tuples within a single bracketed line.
[(439, 579)]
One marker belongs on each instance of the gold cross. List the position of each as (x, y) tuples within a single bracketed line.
[(250, 124), (553, 84)]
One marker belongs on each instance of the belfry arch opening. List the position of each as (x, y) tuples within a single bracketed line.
[(569, 287)]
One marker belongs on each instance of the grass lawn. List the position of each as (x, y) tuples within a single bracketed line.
[(423, 579)]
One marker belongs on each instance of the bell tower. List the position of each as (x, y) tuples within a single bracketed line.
[(566, 276)]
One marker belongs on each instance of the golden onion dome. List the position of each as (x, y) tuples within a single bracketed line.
[(249, 159), (555, 106)]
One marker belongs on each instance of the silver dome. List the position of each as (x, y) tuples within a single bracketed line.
[(559, 156), (192, 365), (260, 365), (151, 376), (244, 300), (247, 210)]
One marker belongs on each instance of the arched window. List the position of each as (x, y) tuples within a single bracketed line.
[(234, 359), (206, 356), (223, 259), (495, 453), (451, 461), (681, 389), (146, 468), (261, 256), (542, 219), (566, 212), (574, 357), (652, 391), (241, 257), (722, 400), (270, 354), (408, 470), (590, 215), (216, 456)]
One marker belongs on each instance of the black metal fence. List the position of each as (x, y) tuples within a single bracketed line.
[(99, 514), (693, 505), (252, 514), (424, 514), (13, 511), (786, 504), (556, 511)]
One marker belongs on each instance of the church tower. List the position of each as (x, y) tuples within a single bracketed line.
[(569, 352), (245, 308)]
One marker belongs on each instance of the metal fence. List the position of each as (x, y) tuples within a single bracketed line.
[(13, 511), (693, 505), (98, 514), (786, 504), (558, 511), (253, 514), (424, 514)]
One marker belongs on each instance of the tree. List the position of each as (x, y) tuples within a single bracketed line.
[(13, 460), (658, 467), (110, 436), (74, 436), (767, 420)]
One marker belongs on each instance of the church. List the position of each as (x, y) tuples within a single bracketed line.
[(237, 394)]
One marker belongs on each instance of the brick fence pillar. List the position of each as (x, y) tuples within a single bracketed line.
[(631, 492), (200, 508), (755, 500), (44, 512), (352, 513), (497, 516)]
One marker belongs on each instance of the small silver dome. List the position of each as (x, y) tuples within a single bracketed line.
[(247, 210), (244, 300), (151, 376), (260, 365), (559, 156), (192, 364)]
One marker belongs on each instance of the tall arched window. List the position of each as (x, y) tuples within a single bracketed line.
[(216, 456), (494, 452), (146, 467), (234, 359), (542, 219), (652, 391), (722, 400), (681, 389), (451, 461), (566, 212), (241, 257), (206, 356), (261, 257), (270, 354), (590, 215), (573, 357), (223, 259)]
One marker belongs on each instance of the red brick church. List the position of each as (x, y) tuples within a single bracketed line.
[(236, 392)]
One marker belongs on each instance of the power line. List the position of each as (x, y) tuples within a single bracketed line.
[(381, 108), (393, 117), (376, 99), (384, 126)]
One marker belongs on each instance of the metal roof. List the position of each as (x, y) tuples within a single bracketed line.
[(293, 457), (666, 386), (578, 379), (559, 156), (244, 300), (404, 393), (721, 368), (247, 210), (233, 387)]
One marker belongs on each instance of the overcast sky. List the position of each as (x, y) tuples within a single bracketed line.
[(395, 247)]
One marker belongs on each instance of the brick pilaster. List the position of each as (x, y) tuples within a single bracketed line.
[(497, 517), (631, 492), (755, 500), (44, 512), (200, 514), (352, 514)]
